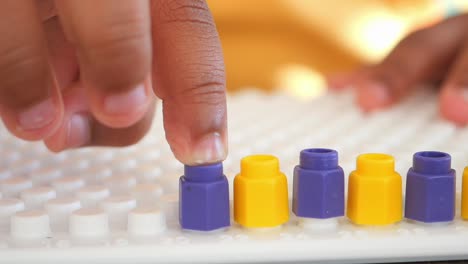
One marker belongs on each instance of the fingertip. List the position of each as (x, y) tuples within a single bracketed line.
[(372, 95), (54, 143), (210, 148), (196, 133), (73, 133), (339, 81), (76, 112), (35, 122), (454, 104), (121, 109)]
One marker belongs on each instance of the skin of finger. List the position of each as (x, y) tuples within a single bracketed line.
[(454, 94), (454, 105), (421, 57), (119, 137), (64, 63), (339, 81), (26, 78), (65, 66), (342, 80), (188, 75), (457, 76), (113, 42), (46, 9), (75, 101), (62, 55)]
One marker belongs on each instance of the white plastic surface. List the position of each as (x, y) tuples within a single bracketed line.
[(120, 205)]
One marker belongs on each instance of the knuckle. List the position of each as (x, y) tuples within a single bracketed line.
[(200, 80), (207, 89), (183, 12), (22, 68)]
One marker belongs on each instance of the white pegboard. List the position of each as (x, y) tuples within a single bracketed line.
[(128, 197)]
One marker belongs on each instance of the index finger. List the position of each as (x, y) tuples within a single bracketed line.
[(189, 77)]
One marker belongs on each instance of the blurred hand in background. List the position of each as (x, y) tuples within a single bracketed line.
[(434, 55), (295, 45)]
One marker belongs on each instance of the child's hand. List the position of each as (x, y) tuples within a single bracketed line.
[(438, 53), (81, 73)]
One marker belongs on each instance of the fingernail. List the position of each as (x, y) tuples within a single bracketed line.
[(209, 149), (335, 83), (79, 131), (123, 102), (454, 104), (379, 92), (37, 116), (373, 95), (464, 93)]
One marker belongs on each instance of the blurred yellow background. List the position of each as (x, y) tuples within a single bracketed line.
[(292, 44)]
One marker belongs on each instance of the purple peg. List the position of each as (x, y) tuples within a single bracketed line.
[(430, 188), (204, 198), (318, 188)]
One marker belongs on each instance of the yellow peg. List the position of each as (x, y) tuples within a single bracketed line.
[(375, 191), (260, 193), (464, 210)]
